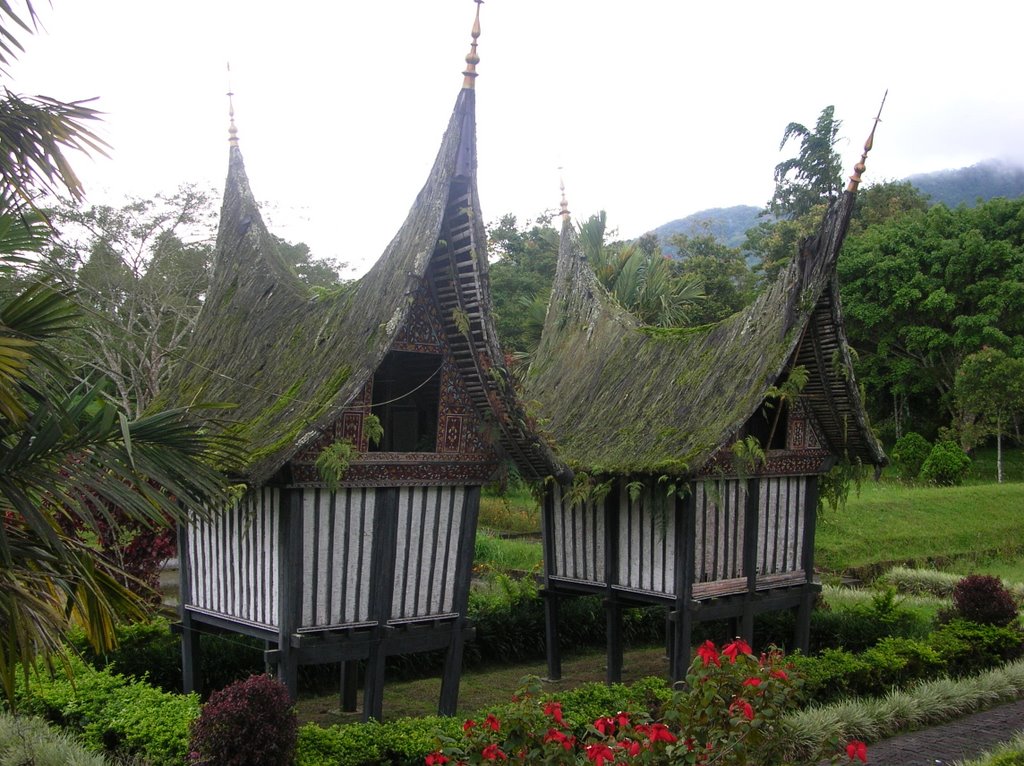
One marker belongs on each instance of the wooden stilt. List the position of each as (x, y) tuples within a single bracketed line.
[(349, 685), (452, 672), (191, 655), (554, 654), (613, 617), (373, 686)]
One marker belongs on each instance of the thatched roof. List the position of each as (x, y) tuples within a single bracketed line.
[(621, 398), (291, 360)]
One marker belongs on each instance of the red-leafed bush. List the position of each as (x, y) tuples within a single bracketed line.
[(985, 600), (247, 723)]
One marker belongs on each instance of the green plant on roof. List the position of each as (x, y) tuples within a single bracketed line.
[(785, 395), (461, 320), (372, 428), (332, 464), (747, 455)]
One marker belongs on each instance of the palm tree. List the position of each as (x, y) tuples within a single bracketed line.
[(68, 456)]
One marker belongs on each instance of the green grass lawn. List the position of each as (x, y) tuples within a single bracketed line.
[(949, 527)]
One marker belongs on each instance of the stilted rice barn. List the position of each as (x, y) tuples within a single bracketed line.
[(372, 414), (697, 482)]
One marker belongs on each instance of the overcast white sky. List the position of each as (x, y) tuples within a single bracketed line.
[(654, 108)]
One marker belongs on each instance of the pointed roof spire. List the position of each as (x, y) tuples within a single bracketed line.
[(860, 167), (472, 59), (232, 130)]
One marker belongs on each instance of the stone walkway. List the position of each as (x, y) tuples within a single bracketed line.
[(958, 740)]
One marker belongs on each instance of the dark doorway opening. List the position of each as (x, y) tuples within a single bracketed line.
[(406, 394)]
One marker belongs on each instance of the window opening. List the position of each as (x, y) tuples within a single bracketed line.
[(406, 396)]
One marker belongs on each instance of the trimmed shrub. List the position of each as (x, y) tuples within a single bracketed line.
[(909, 453), (985, 600), (351, 745), (247, 723), (966, 647), (946, 465)]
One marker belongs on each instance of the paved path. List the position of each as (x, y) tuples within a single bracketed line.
[(958, 740)]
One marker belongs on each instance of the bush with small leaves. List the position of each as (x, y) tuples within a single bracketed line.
[(985, 600), (247, 723), (909, 453), (946, 465)]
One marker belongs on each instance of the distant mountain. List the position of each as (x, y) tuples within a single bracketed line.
[(988, 179), (726, 224), (992, 178)]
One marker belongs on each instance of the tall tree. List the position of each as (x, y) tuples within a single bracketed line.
[(723, 271), (924, 290), (68, 455), (990, 385), (812, 177)]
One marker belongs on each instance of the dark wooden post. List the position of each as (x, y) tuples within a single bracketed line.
[(463, 573), (349, 685), (612, 607), (191, 650), (682, 615), (802, 639), (289, 587), (385, 536), (750, 532), (547, 531)]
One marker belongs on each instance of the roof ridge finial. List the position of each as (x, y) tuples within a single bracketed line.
[(472, 59), (564, 206), (232, 130), (860, 167)]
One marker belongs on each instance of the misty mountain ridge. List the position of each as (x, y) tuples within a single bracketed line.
[(983, 181)]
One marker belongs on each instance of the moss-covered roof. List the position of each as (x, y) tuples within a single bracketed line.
[(621, 398), (291, 360)]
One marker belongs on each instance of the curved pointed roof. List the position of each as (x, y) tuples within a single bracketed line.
[(290, 359), (623, 398)]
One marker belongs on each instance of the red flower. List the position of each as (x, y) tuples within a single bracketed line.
[(493, 753), (630, 746), (622, 719), (752, 682), (739, 646), (742, 706), (492, 722), (469, 724), (857, 749), (780, 674), (554, 710), (599, 753), (554, 735), (436, 759), (708, 653), (658, 732), (605, 725)]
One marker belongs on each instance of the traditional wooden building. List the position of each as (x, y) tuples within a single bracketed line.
[(696, 483), (372, 415)]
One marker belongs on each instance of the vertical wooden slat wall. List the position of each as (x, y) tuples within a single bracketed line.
[(647, 540), (578, 532), (233, 568), (720, 511), (780, 544)]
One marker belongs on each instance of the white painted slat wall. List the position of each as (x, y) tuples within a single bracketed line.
[(578, 540), (647, 541)]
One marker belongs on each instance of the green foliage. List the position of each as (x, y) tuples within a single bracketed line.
[(352, 745), (333, 462), (924, 290), (909, 454), (883, 202), (967, 647), (372, 428), (857, 626), (247, 723), (26, 741), (946, 465), (110, 712), (814, 176)]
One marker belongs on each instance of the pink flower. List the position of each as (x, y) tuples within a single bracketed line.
[(737, 647), (554, 710), (708, 653), (857, 749)]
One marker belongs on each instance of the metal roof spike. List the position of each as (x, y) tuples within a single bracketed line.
[(860, 167), (232, 130), (472, 59)]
